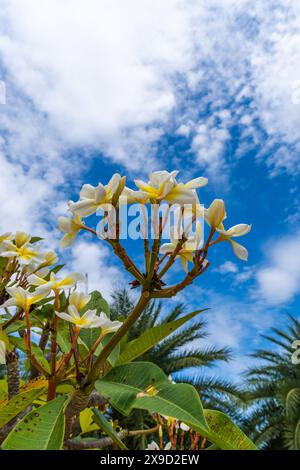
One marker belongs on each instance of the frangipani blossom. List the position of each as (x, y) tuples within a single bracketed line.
[(25, 253), (71, 227), (79, 300), (50, 258), (129, 196), (186, 253), (162, 185), (154, 446), (89, 319), (6, 236), (56, 283), (92, 198), (22, 298), (236, 231), (215, 214)]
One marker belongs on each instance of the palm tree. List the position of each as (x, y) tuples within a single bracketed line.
[(181, 355), (274, 392)]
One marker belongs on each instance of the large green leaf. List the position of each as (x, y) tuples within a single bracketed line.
[(225, 434), (144, 385), (102, 422), (151, 337), (41, 429), (20, 343), (9, 409)]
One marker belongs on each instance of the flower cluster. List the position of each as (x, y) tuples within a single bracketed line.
[(163, 186)]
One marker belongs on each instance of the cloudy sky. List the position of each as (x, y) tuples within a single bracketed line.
[(209, 88)]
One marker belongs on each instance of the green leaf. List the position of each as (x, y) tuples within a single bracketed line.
[(97, 302), (9, 409), (151, 337), (20, 325), (89, 336), (102, 422), (4, 338), (36, 239), (63, 339), (145, 386), (20, 343), (86, 421), (225, 434), (41, 429), (57, 268)]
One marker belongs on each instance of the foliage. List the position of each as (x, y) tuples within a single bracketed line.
[(79, 360), (274, 392)]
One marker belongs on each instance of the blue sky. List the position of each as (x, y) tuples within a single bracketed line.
[(96, 87)]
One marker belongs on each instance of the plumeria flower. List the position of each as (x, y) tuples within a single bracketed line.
[(236, 231), (92, 198), (79, 300), (21, 249), (186, 253), (215, 214), (129, 196), (56, 283), (71, 227), (162, 185), (2, 352), (6, 236), (184, 427), (22, 298), (50, 258), (154, 446), (89, 319)]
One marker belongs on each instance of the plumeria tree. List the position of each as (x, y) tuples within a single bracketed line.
[(77, 361)]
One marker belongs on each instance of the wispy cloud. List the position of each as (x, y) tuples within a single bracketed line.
[(279, 279), (117, 76)]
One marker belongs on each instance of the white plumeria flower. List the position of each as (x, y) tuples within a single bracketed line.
[(129, 196), (107, 325), (21, 249), (89, 319), (162, 185), (6, 236), (236, 231), (79, 300), (50, 258), (22, 298), (92, 198), (186, 253), (215, 214), (154, 446), (71, 227), (56, 283), (184, 427), (2, 352)]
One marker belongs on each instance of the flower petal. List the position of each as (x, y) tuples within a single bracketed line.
[(65, 316), (167, 248), (197, 183), (239, 250), (239, 230)]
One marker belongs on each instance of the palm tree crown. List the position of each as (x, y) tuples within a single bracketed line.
[(274, 392)]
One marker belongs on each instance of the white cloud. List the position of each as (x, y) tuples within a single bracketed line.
[(93, 259), (115, 76), (227, 267), (279, 280)]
